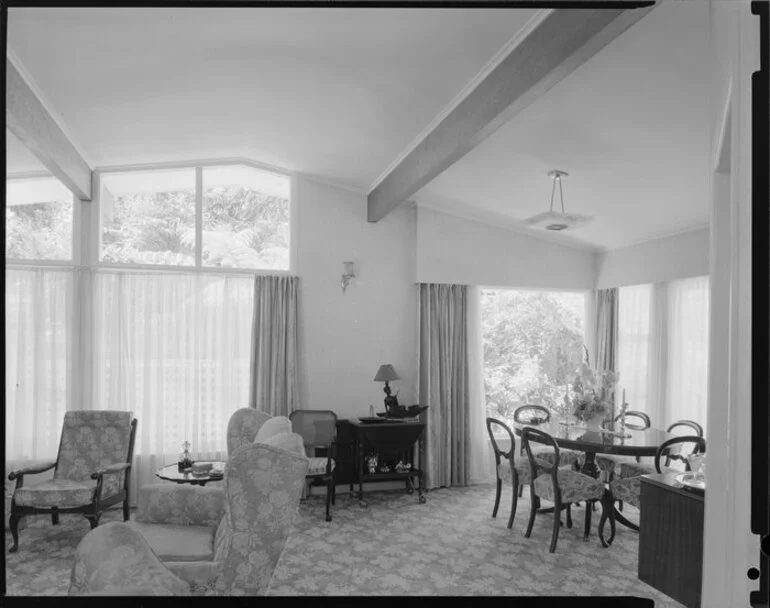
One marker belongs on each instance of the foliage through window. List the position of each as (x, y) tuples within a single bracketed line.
[(533, 343), (38, 220), (149, 217)]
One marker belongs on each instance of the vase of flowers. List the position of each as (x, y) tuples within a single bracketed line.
[(592, 393)]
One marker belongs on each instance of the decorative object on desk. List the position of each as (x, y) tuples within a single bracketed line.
[(695, 481), (371, 463), (371, 411), (401, 412), (402, 467), (592, 392), (185, 462), (386, 374), (202, 467), (348, 273)]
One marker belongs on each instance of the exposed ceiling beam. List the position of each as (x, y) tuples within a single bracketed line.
[(28, 120), (562, 41)]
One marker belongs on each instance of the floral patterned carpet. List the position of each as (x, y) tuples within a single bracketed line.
[(449, 546)]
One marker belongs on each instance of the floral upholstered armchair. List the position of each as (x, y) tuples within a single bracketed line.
[(91, 470), (243, 427), (227, 541), (115, 559)]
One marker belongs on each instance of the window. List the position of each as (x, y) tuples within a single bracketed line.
[(634, 306), (151, 217), (533, 343), (38, 219)]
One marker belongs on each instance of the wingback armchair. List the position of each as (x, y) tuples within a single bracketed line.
[(91, 470), (243, 426), (227, 541)]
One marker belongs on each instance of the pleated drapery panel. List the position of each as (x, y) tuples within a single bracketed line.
[(607, 332), (443, 383), (274, 383)]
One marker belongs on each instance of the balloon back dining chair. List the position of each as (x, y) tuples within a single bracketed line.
[(509, 470)]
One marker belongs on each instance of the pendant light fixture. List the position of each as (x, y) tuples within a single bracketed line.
[(553, 220)]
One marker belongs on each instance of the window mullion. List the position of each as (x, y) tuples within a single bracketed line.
[(198, 216)]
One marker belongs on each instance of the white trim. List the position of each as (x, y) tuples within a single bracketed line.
[(319, 179), (496, 60), (720, 136), (32, 84), (503, 222), (32, 175), (198, 217), (160, 268), (40, 265), (188, 164)]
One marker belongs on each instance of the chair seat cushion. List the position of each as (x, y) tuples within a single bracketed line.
[(522, 469), (56, 493), (610, 462), (317, 466), (178, 543), (635, 469), (627, 489), (574, 486), (566, 457)]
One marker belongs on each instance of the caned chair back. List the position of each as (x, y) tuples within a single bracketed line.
[(500, 454), (318, 428), (243, 426), (531, 414), (91, 440), (639, 421), (678, 449), (689, 425)]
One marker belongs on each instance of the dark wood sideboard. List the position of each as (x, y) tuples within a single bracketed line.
[(671, 538)]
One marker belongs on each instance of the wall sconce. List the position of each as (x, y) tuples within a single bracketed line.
[(347, 273)]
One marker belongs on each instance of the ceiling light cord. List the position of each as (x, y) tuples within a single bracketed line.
[(557, 178)]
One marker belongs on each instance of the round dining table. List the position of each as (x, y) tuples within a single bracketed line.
[(612, 440)]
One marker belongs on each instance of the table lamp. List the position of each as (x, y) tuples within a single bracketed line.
[(385, 374)]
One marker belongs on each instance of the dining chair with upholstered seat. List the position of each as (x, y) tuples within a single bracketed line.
[(318, 429), (627, 487), (608, 463), (535, 415), (560, 486), (508, 469), (91, 471)]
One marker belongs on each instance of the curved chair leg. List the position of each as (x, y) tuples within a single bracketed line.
[(521, 490), (556, 523), (328, 500), (497, 497), (620, 505), (569, 514), (514, 502), (55, 516), (589, 510), (608, 512), (126, 510), (13, 523), (94, 520), (532, 512)]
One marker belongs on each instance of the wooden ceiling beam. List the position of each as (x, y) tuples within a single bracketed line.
[(27, 118), (558, 45)]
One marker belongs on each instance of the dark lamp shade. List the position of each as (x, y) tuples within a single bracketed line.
[(386, 373)]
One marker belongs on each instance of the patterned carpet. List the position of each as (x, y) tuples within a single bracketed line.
[(448, 546)]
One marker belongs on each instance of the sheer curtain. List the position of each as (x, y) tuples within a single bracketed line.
[(39, 339), (606, 331), (482, 459), (175, 350), (663, 349)]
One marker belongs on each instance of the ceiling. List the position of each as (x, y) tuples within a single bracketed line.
[(342, 93), (631, 127)]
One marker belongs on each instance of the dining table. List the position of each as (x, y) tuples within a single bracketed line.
[(614, 439)]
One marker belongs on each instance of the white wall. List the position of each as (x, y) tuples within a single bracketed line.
[(345, 337), (676, 257), (456, 250)]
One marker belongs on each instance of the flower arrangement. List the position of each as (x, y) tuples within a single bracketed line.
[(592, 391)]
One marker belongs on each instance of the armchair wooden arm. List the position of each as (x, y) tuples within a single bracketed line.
[(111, 469), (33, 469)]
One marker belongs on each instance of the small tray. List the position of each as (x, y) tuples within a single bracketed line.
[(691, 480), (369, 420)]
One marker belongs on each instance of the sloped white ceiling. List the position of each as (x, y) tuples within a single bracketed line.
[(630, 126), (332, 92)]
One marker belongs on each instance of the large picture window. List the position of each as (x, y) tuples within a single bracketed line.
[(230, 216), (533, 343)]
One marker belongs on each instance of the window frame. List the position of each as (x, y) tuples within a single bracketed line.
[(95, 229), (77, 217)]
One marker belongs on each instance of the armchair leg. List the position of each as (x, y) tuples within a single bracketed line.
[(55, 516), (13, 523), (94, 520), (535, 503), (126, 512), (329, 491), (590, 505)]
